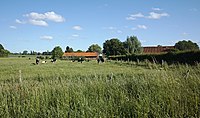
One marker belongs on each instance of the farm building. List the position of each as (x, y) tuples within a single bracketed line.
[(87, 55), (157, 49)]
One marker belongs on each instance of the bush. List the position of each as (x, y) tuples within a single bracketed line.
[(188, 57), (40, 57), (4, 53)]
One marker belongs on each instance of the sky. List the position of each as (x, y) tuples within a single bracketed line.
[(40, 25)]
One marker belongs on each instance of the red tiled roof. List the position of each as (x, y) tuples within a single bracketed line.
[(158, 49), (80, 54)]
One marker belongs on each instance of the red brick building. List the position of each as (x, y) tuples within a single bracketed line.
[(89, 55), (157, 49)]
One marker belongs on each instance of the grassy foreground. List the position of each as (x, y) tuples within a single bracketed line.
[(112, 89)]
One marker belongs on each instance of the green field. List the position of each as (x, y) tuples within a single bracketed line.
[(89, 89)]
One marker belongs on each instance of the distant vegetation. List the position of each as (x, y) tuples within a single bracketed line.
[(130, 49), (57, 52), (111, 47), (187, 57), (94, 48), (3, 52), (186, 45), (115, 47)]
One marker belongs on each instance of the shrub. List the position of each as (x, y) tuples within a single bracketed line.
[(187, 57)]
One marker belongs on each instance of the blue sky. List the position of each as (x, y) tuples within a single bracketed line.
[(40, 25)]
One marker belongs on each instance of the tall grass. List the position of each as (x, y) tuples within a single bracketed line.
[(113, 89)]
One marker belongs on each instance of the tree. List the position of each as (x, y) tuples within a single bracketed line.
[(1, 47), (3, 52), (68, 49), (94, 48), (79, 51), (57, 52), (133, 45), (186, 45), (113, 47), (46, 53), (25, 52)]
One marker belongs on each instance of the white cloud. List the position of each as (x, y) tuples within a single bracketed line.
[(112, 28), (130, 18), (13, 27), (142, 27), (75, 35), (134, 28), (41, 19), (77, 27), (156, 9), (138, 15), (52, 16), (154, 15), (20, 22), (185, 34), (34, 15), (38, 22), (46, 37), (135, 16), (143, 41)]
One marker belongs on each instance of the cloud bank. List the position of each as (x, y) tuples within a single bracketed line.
[(46, 37), (41, 19)]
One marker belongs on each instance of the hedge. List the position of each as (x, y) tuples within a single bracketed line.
[(189, 57)]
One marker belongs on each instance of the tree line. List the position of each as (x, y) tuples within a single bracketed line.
[(115, 47), (111, 47)]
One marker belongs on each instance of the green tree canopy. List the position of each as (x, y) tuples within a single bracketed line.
[(3, 52), (1, 47), (57, 52), (79, 51), (133, 45), (25, 52), (113, 47), (94, 48), (186, 45), (68, 49)]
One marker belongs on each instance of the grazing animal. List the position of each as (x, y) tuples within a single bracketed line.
[(53, 60), (100, 59), (37, 61), (43, 62), (80, 60)]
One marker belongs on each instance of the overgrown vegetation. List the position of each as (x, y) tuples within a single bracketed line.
[(57, 52), (3, 52), (112, 89), (115, 47), (187, 57), (186, 45)]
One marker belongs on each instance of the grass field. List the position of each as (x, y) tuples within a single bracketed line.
[(88, 89)]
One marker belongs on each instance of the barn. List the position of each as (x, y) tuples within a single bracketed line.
[(157, 49), (87, 55)]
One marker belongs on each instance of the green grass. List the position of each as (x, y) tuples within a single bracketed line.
[(112, 89)]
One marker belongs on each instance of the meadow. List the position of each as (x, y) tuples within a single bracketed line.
[(89, 89)]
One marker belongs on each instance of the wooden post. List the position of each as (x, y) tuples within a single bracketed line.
[(20, 76)]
